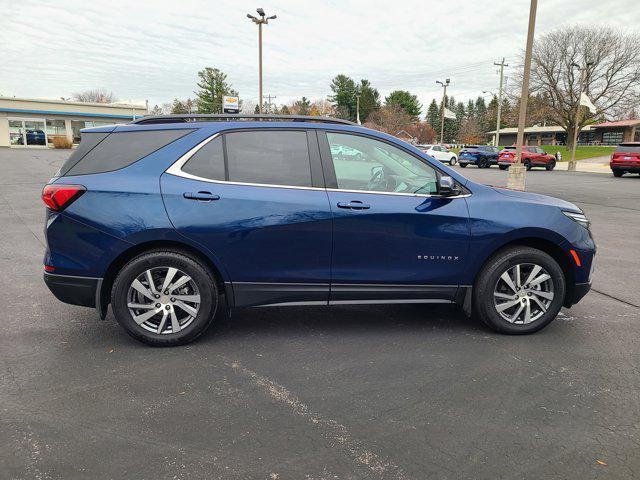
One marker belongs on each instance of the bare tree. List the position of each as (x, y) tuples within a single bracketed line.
[(611, 73), (470, 132), (96, 95), (390, 119)]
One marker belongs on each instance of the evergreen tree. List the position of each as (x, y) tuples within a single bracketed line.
[(303, 105), (481, 114), (407, 101), (433, 114), (285, 110), (212, 86), (344, 96), (369, 99), (471, 109)]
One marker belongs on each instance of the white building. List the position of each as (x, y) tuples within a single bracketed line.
[(30, 122)]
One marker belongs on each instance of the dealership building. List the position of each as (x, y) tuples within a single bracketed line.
[(607, 133), (35, 123)]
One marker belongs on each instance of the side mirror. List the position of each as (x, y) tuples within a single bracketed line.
[(447, 186)]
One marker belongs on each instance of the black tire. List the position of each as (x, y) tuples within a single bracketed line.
[(482, 162), (486, 281), (452, 161), (200, 275), (550, 166), (463, 165), (527, 165), (503, 167), (618, 173)]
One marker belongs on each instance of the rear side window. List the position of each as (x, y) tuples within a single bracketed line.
[(208, 162), (89, 141), (628, 149), (121, 149), (269, 157)]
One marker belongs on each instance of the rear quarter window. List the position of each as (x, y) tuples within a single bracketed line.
[(627, 149), (118, 150)]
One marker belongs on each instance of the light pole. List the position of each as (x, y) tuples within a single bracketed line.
[(444, 84), (517, 170), (263, 20), (583, 74), (358, 109)]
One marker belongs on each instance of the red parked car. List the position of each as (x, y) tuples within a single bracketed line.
[(531, 157), (625, 159)]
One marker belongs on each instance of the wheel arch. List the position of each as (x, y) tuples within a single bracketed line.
[(135, 250), (552, 249)]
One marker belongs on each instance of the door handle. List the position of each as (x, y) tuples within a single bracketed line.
[(202, 196), (354, 205)]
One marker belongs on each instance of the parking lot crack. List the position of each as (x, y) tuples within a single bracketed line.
[(329, 428)]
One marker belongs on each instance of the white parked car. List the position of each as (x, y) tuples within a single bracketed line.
[(439, 152)]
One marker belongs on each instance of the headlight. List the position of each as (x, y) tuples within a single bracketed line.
[(578, 217)]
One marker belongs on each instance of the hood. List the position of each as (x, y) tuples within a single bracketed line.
[(537, 198)]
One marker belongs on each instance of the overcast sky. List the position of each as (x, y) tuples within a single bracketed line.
[(154, 49)]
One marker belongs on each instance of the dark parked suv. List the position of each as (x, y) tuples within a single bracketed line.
[(162, 217)]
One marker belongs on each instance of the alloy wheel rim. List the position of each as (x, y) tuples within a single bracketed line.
[(163, 300), (523, 293)]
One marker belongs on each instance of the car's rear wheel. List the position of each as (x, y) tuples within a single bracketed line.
[(164, 298), (503, 167), (618, 173), (551, 165), (527, 164), (453, 161), (520, 290)]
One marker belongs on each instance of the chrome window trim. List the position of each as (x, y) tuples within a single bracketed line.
[(176, 169)]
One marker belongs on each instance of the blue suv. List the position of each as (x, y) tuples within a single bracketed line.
[(163, 217)]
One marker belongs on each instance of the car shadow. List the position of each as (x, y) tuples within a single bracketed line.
[(292, 321)]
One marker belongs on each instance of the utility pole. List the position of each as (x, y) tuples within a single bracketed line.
[(497, 137), (358, 109), (269, 97), (583, 76), (517, 170), (263, 20), (444, 84)]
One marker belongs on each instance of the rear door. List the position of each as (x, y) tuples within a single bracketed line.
[(394, 237), (256, 200)]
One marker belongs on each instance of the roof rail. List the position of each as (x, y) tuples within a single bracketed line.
[(184, 118)]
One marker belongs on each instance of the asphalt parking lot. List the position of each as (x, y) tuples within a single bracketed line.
[(393, 392)]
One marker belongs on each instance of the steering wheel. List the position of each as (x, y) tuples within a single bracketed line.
[(381, 181)]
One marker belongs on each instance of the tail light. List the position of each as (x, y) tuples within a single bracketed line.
[(59, 197)]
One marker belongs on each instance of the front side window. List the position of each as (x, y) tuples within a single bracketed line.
[(269, 157), (379, 167)]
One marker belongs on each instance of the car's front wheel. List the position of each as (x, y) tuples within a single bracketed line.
[(503, 167), (164, 298), (453, 161), (550, 166), (527, 164), (519, 290), (463, 165)]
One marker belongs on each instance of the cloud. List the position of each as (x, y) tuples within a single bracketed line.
[(154, 49)]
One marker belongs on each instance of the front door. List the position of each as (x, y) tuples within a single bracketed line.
[(251, 199), (394, 236)]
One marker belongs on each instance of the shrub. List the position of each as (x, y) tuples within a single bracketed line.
[(62, 142)]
